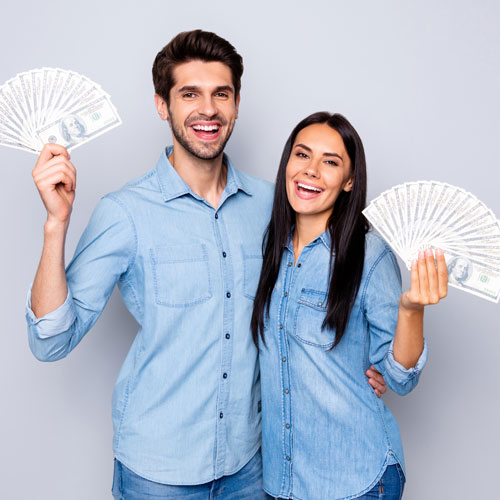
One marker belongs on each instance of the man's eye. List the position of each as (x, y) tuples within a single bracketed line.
[(222, 94), (188, 95)]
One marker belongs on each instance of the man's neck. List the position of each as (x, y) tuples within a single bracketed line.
[(206, 178)]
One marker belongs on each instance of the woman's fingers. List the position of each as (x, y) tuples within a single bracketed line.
[(442, 271), (432, 278), (423, 278), (429, 280)]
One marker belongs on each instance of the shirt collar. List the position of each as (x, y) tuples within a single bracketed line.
[(173, 186), (323, 238)]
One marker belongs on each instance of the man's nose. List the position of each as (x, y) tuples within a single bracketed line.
[(207, 106)]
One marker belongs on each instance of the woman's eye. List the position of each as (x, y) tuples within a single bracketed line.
[(301, 155), (331, 162)]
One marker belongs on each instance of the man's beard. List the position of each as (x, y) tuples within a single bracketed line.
[(200, 151)]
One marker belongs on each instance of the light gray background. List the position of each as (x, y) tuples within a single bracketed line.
[(419, 80)]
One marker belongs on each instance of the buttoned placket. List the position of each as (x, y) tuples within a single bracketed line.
[(288, 280), (292, 274)]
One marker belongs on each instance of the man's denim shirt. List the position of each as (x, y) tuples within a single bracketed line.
[(325, 434), (186, 405)]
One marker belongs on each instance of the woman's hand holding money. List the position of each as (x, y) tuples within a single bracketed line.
[(429, 284)]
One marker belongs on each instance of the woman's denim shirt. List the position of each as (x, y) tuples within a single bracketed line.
[(326, 435)]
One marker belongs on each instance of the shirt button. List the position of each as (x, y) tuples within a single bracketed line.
[(286, 294), (288, 458), (320, 303), (289, 264), (287, 426), (221, 415), (299, 265), (224, 375), (281, 327), (216, 216), (283, 359), (228, 336), (224, 254), (286, 391), (228, 295)]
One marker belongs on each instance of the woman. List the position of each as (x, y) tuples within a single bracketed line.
[(328, 306)]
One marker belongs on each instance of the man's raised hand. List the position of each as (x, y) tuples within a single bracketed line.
[(55, 179)]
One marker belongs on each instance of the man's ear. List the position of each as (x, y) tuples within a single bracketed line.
[(237, 105), (161, 107)]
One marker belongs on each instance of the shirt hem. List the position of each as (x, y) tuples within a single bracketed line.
[(355, 495), (189, 483)]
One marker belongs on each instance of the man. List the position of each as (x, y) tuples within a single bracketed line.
[(183, 243)]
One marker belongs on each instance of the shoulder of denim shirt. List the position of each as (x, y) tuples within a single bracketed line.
[(376, 248)]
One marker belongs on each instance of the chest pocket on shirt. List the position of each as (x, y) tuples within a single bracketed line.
[(309, 316), (252, 264), (181, 275)]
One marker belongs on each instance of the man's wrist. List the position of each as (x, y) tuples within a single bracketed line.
[(54, 228)]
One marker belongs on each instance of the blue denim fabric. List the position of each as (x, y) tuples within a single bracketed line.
[(389, 487), (325, 434), (244, 485), (186, 401)]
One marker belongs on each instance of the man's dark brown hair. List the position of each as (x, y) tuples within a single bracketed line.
[(191, 46)]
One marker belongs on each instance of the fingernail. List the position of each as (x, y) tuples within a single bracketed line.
[(421, 254), (439, 251), (414, 262), (428, 252)]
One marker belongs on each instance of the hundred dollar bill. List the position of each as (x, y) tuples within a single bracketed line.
[(82, 125), (472, 276)]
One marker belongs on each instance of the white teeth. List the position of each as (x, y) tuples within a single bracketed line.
[(309, 188), (206, 128)]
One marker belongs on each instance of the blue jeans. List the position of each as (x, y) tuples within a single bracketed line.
[(244, 485), (389, 487)]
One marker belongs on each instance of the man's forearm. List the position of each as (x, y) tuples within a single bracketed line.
[(50, 289)]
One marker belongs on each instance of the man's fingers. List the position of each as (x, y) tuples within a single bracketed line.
[(376, 380), (57, 164), (60, 177), (50, 150)]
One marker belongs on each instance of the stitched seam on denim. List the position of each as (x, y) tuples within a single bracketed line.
[(128, 283), (372, 484), (304, 341), (368, 277), (159, 301), (246, 271), (131, 220)]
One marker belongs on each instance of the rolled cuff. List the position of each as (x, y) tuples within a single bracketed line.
[(398, 372), (54, 322)]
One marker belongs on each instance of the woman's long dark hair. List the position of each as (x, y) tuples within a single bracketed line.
[(347, 227)]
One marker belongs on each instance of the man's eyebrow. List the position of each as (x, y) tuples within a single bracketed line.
[(195, 88), (307, 148)]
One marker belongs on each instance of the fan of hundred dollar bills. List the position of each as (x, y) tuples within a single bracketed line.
[(430, 214), (53, 105)]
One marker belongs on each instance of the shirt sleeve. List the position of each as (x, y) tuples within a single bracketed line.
[(104, 254), (381, 306)]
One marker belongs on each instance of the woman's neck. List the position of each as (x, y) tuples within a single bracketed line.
[(307, 229)]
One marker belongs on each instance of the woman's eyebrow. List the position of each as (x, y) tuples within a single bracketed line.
[(307, 148)]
